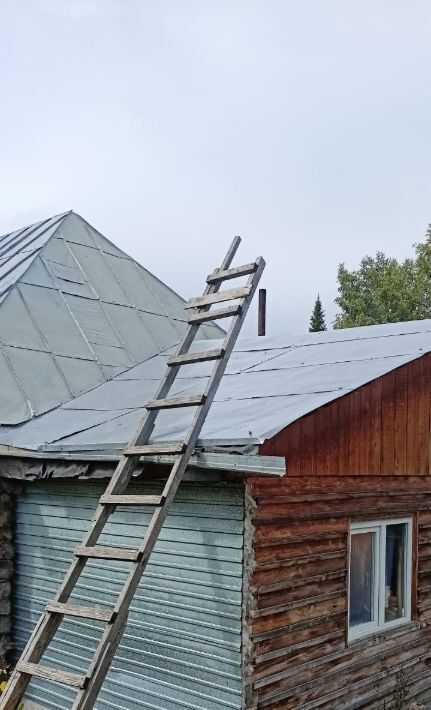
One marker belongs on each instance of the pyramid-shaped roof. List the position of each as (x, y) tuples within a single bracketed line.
[(75, 311)]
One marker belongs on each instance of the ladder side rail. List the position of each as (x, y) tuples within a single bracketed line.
[(48, 624), (112, 635)]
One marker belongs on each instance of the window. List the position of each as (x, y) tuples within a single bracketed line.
[(379, 575)]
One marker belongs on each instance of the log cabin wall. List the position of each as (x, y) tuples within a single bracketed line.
[(363, 457)]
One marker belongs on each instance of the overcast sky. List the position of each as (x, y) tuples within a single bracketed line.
[(172, 125)]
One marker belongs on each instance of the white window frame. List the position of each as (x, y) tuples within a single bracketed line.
[(378, 528)]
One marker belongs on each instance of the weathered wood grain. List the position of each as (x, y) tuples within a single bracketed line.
[(298, 628)]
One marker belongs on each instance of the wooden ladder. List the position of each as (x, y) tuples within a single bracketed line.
[(89, 685)]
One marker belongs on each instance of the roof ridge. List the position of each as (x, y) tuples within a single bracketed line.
[(28, 257)]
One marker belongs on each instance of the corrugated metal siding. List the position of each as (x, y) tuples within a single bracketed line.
[(182, 645)]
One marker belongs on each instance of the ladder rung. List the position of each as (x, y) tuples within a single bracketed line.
[(154, 450), (107, 553), (131, 500), (215, 315), (238, 271), (190, 358), (85, 612), (171, 402), (229, 295), (59, 676)]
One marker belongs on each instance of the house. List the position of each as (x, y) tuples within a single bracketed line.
[(294, 569)]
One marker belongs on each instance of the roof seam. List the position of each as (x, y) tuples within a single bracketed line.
[(38, 329), (110, 321)]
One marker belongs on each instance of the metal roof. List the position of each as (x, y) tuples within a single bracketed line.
[(75, 311), (269, 383), (19, 249)]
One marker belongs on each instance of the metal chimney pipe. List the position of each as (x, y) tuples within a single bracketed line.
[(261, 321)]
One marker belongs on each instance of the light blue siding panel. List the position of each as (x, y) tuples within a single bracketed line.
[(182, 645)]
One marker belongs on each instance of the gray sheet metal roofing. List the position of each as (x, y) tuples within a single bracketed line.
[(269, 383), (75, 311)]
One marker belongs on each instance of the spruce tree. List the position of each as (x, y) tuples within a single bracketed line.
[(317, 320)]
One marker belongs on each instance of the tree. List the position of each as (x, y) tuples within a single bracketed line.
[(317, 320), (383, 290)]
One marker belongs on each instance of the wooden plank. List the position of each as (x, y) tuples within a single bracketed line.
[(423, 441), (54, 674), (107, 553), (308, 653), (279, 512), (338, 589), (387, 456), (271, 635), (413, 394), (319, 609), (190, 358), (293, 640), (234, 273), (376, 428), (295, 588), (298, 571), (218, 313), (231, 294), (131, 500), (333, 442), (400, 460), (307, 445), (355, 432), (174, 402), (272, 556), (85, 612), (290, 441), (364, 429), (322, 443), (343, 407), (154, 450)]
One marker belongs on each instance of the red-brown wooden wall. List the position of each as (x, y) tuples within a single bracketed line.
[(381, 428)]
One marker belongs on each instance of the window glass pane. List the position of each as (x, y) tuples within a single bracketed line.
[(362, 578), (395, 582)]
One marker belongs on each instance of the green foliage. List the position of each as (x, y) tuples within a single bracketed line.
[(317, 320), (384, 290)]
